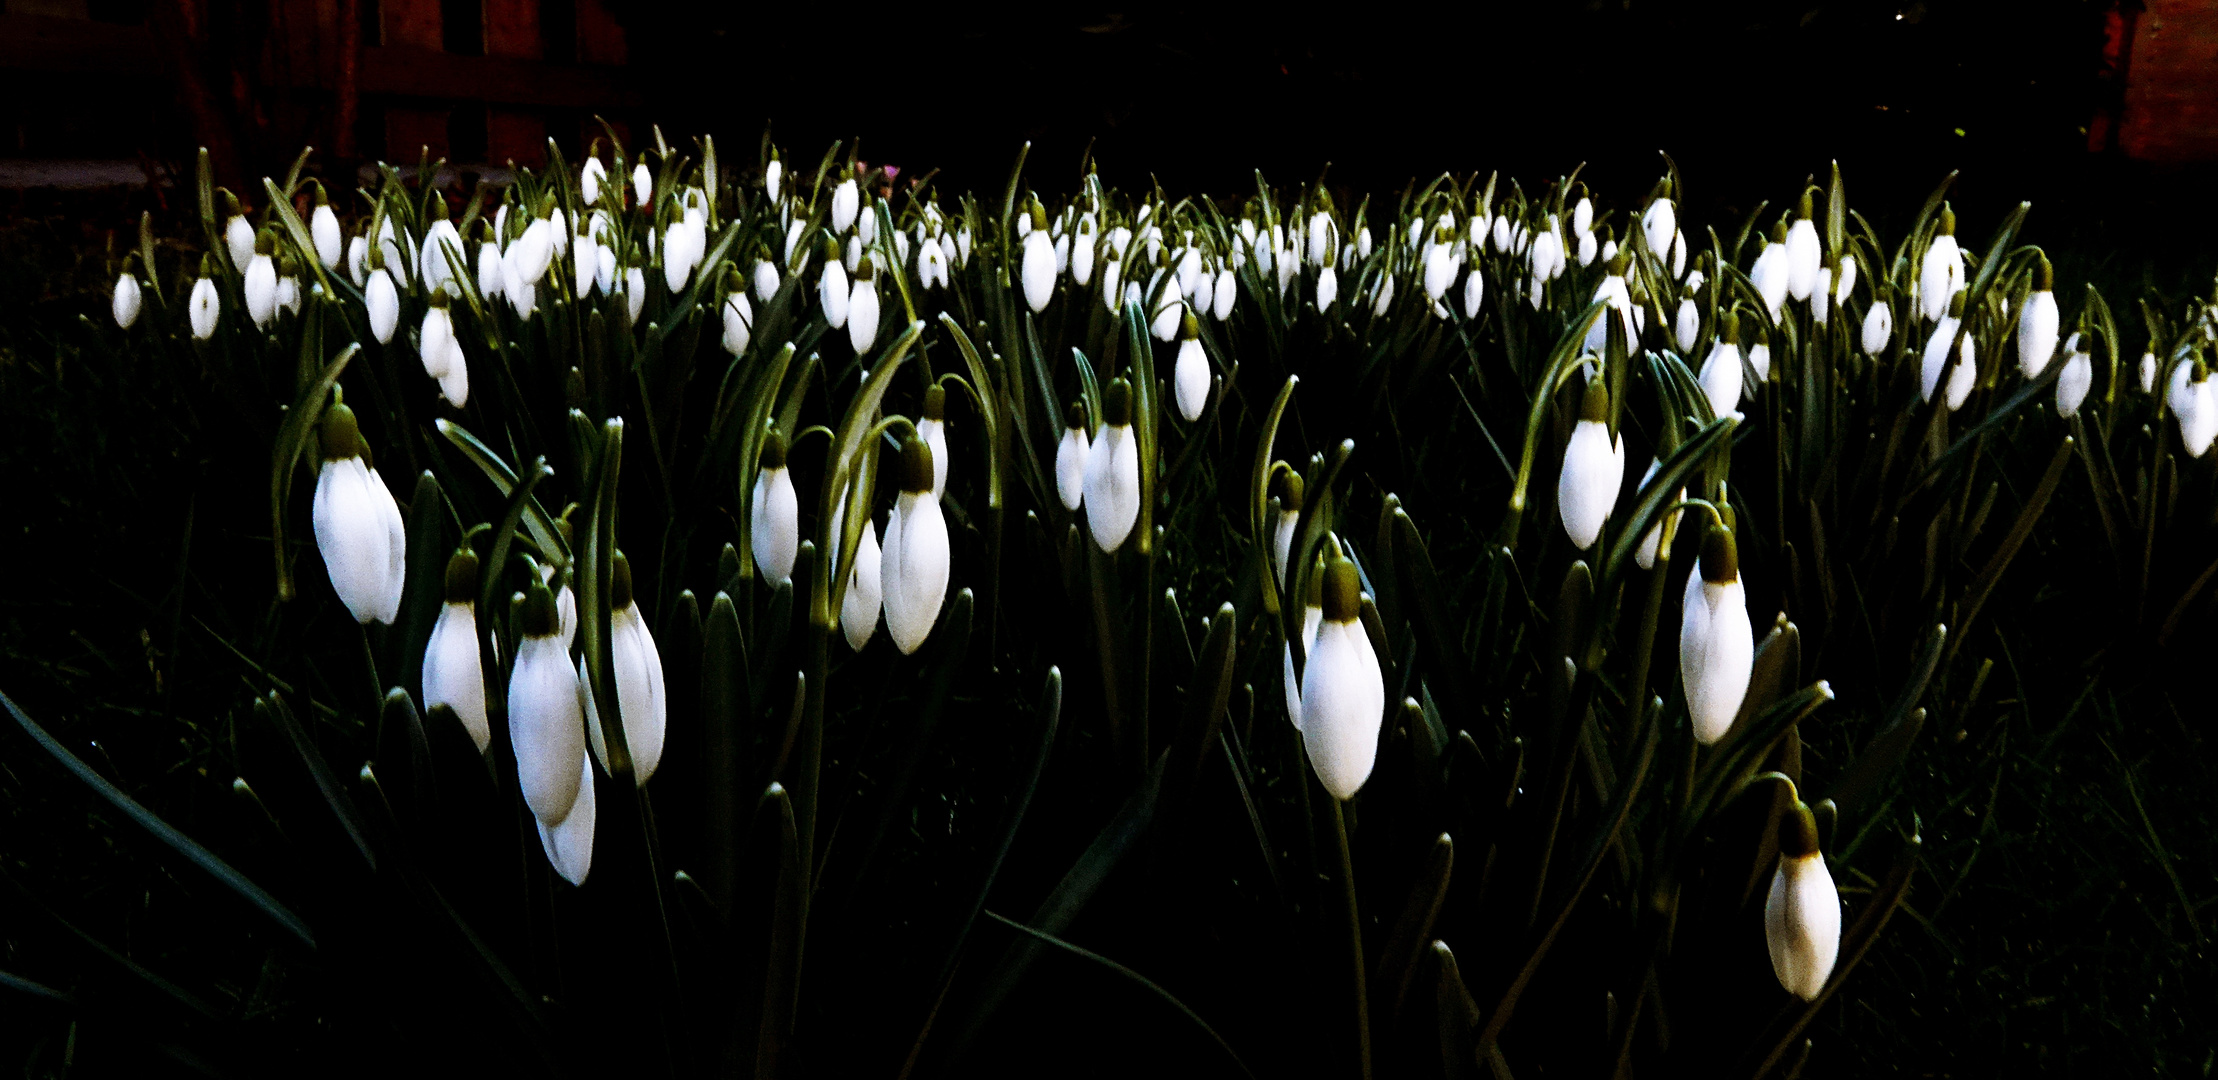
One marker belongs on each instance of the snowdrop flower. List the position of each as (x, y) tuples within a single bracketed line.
[(203, 306), (1687, 324), (1660, 220), (854, 256), (1802, 915), (1501, 235), (1191, 376), (590, 179), (846, 203), (1716, 642), (1226, 291), (1440, 265), (774, 513), (1363, 243), (641, 702), (1653, 544), (1770, 273), (1936, 354), (238, 235), (678, 255), (127, 299), (739, 315), (1343, 699), (1328, 288), (1204, 295), (1082, 252), (381, 301), (1113, 472), (2077, 377), (437, 272), (358, 526), (1844, 281), (1070, 459), (1582, 215), (389, 245), (766, 277), (773, 176), (1038, 271), (1287, 485), (1474, 292), (1941, 273), (1609, 249), (546, 713), (1112, 271), (358, 252), (1613, 291), (1759, 358), (1803, 252), (288, 283), (962, 246), (2037, 324), (529, 256), (260, 284), (2195, 404), (1170, 309), (1590, 247), (1879, 326), (1384, 295), (1323, 236), (1547, 255), (832, 291), (2148, 372), (441, 349), (635, 292), (913, 565), (492, 273), (858, 610), (1721, 372), (453, 675), (862, 309), (643, 185), (1593, 469), (932, 428), (569, 842), (323, 228)]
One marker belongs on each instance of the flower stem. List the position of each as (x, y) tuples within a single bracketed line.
[(1355, 943), (369, 664)]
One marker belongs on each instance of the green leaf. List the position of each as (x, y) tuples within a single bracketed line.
[(161, 830), (292, 441)]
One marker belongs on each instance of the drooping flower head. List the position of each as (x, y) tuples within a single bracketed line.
[(1802, 914)]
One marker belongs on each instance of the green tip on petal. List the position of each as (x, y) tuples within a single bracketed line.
[(539, 618), (1596, 404), (1948, 221), (461, 582), (342, 436), (774, 450), (1721, 563), (1798, 832), (916, 465), (935, 402), (620, 583), (1117, 404), (1729, 328)]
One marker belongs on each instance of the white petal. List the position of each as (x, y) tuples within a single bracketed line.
[(913, 569), (1070, 467), (569, 842), (1343, 704), (1726, 659), (1191, 377), (546, 724), (858, 615), (453, 676), (351, 536), (1113, 486), (775, 525), (1586, 489), (1802, 925)]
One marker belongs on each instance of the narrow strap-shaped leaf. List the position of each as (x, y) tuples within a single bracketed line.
[(782, 980), (162, 830), (1132, 975), (1896, 731), (1405, 945), (327, 783)]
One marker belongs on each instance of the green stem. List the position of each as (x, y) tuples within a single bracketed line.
[(1644, 653), (1355, 943), (369, 664)]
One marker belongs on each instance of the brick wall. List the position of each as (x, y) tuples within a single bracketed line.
[(2170, 107)]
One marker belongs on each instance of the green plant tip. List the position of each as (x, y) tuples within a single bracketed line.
[(1116, 406), (1343, 593), (1721, 562), (916, 465), (461, 583)]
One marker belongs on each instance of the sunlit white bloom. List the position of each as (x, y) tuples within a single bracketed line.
[(1802, 914), (492, 273), (1590, 247), (437, 272), (1112, 273), (1941, 273), (643, 185), (238, 238), (858, 610), (323, 229), (1038, 271), (1687, 324), (1322, 237), (1070, 460), (203, 307), (846, 202), (1474, 292), (453, 675), (1652, 543), (1343, 699), (1721, 371), (1769, 275), (126, 301), (1328, 288), (862, 311), (1191, 375), (1170, 309), (1112, 487), (1879, 327), (773, 176), (1612, 290), (546, 713), (832, 290), (774, 514), (1658, 222), (2037, 326), (635, 292), (435, 340), (569, 843), (1593, 470), (1082, 254), (381, 301), (913, 564), (642, 702), (358, 526), (1936, 352), (739, 323), (1716, 641), (1804, 254), (1226, 291), (260, 286)]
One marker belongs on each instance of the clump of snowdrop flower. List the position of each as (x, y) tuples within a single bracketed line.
[(1802, 914), (358, 526), (913, 565), (1716, 641)]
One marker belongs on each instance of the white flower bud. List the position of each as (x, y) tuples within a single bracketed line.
[(260, 287), (382, 303), (433, 341), (1688, 324), (640, 695), (1112, 484), (1658, 223), (643, 185), (635, 292), (1802, 915), (1879, 327), (1170, 309), (1191, 377), (846, 202), (126, 301), (453, 676), (203, 308), (862, 315), (739, 323), (1474, 292), (569, 842), (358, 252), (1652, 544), (1940, 275), (913, 565), (1070, 466), (238, 238), (833, 293), (2037, 330), (358, 526), (1716, 641), (437, 272), (1328, 288), (546, 717), (589, 180), (2148, 372), (773, 178), (766, 280), (323, 228), (774, 516), (1769, 275), (1803, 256), (858, 612), (1593, 470), (1343, 698), (1038, 271)]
